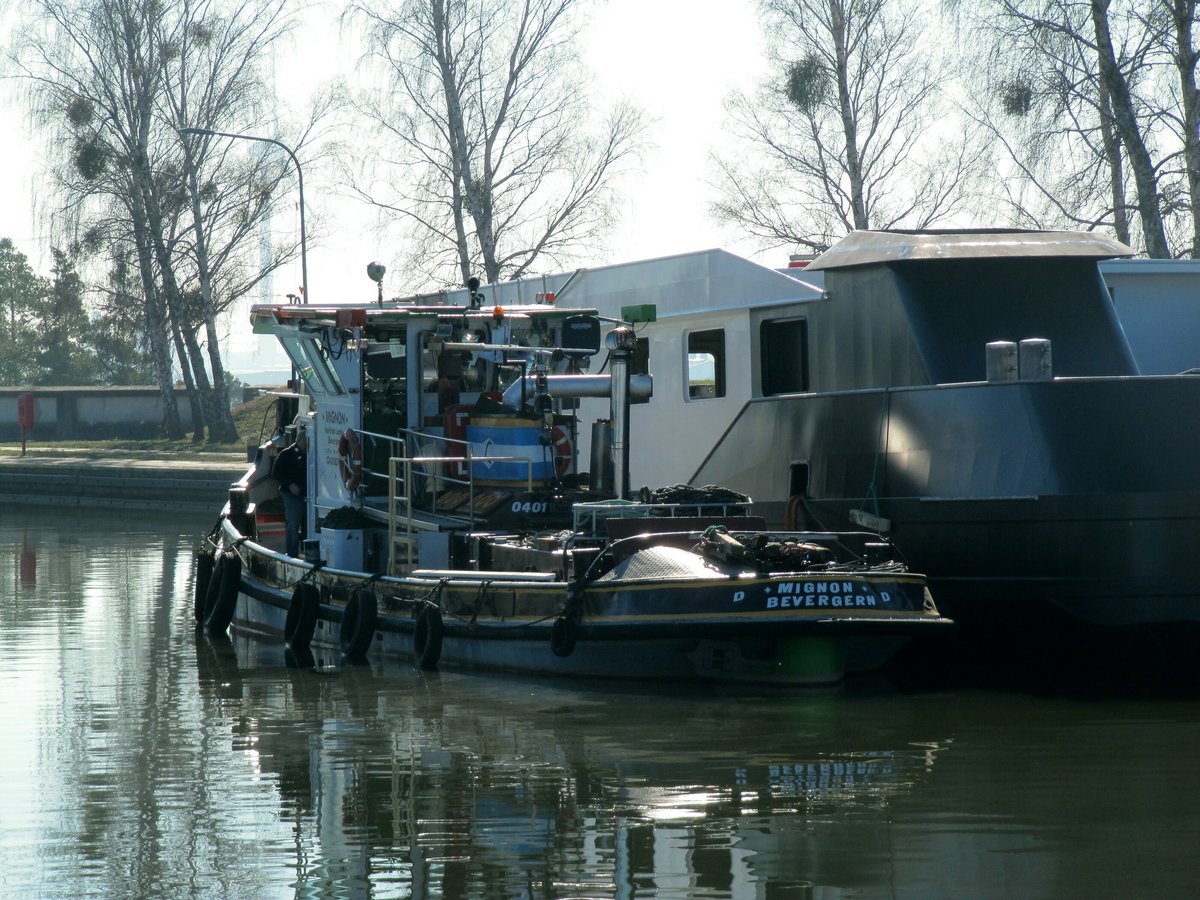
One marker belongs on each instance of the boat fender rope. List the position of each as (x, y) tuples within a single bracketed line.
[(310, 575), (479, 599)]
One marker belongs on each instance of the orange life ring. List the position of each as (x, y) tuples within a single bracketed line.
[(350, 460), (562, 451)]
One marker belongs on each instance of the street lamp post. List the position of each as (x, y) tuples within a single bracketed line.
[(299, 177)]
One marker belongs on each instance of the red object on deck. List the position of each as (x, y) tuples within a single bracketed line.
[(269, 526)]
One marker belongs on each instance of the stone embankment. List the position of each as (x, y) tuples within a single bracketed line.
[(139, 480)]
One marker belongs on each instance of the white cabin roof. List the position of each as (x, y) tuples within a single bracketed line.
[(685, 283)]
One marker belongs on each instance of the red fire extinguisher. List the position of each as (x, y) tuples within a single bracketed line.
[(26, 415)]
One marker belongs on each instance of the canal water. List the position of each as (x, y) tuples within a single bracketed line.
[(141, 759)]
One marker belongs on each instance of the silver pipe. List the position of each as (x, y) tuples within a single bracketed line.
[(641, 387), (620, 341)]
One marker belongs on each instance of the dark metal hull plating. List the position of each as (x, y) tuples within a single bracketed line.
[(1081, 493)]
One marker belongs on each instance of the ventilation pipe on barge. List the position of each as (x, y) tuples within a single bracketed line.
[(621, 343)]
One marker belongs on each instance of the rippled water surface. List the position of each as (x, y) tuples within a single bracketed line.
[(140, 759)]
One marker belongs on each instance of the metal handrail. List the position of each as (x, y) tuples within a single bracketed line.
[(416, 438), (407, 462)]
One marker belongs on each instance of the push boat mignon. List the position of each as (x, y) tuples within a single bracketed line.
[(455, 527)]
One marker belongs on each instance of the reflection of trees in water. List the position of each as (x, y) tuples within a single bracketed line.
[(470, 786), (93, 630)]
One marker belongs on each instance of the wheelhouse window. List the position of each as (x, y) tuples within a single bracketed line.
[(706, 364), (308, 354), (783, 346)]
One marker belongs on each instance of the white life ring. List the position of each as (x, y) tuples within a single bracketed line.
[(561, 443)]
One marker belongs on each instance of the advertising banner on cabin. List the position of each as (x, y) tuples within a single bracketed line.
[(335, 414)]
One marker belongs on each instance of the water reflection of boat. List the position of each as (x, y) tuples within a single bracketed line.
[(432, 784), (454, 526)]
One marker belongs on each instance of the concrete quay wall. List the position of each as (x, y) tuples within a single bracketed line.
[(119, 482)]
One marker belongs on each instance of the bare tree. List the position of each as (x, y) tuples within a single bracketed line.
[(1186, 120), (849, 131), (492, 160), (111, 82), (1095, 103), (210, 77), (1062, 163), (92, 90), (1125, 116)]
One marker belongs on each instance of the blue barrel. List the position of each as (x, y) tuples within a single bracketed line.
[(493, 436)]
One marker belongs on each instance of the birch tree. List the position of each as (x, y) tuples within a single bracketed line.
[(849, 131), (489, 153), (211, 77), (92, 87), (110, 83), (1185, 117), (1094, 104)]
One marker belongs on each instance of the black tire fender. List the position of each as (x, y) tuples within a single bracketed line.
[(209, 598), (223, 602), (205, 564), (562, 636), (301, 622), (427, 637), (359, 620)]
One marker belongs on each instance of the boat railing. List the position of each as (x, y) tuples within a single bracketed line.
[(590, 518), (425, 445), (401, 500)]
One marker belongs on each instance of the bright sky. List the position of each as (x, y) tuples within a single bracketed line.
[(678, 59)]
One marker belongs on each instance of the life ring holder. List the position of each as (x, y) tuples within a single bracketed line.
[(359, 620), (350, 460)]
